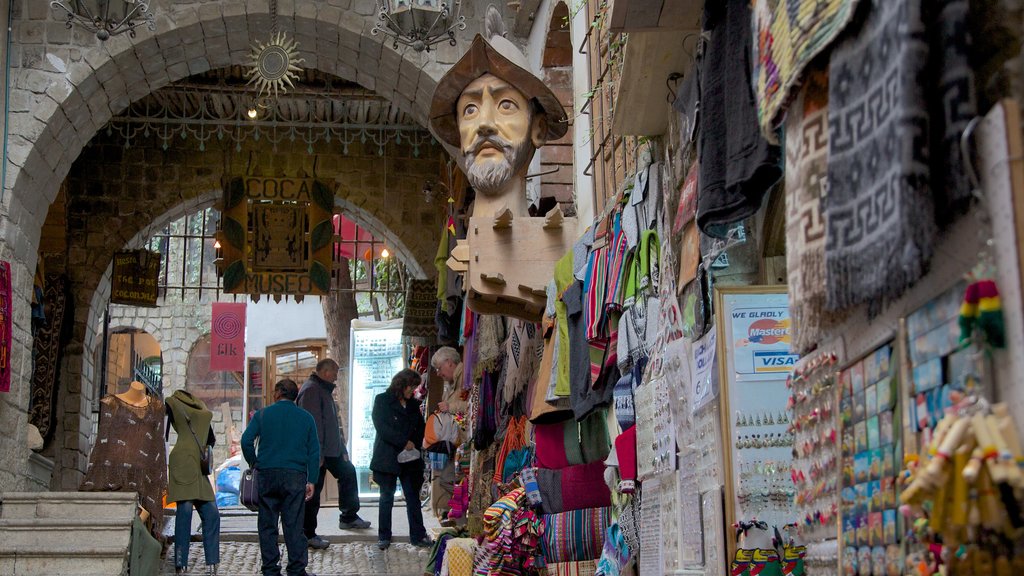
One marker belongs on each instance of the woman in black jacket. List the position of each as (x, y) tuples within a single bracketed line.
[(400, 426)]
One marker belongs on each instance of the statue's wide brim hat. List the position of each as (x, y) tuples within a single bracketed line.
[(497, 56)]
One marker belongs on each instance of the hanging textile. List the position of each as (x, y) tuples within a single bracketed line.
[(788, 34), (954, 102), (418, 321), (878, 210), (806, 177), (737, 165), (512, 446), (490, 337), (46, 355), (573, 488), (574, 536), (585, 568), (523, 350), (513, 533)]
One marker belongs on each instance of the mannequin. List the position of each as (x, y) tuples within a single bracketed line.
[(128, 454), (135, 395), (187, 485)]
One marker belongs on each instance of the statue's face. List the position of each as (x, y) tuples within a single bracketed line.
[(497, 132)]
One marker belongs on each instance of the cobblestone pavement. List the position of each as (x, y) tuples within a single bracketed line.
[(351, 553), (340, 559)]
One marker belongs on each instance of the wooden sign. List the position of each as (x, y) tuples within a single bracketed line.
[(276, 236), (135, 276)]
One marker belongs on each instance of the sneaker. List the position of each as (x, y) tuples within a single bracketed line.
[(424, 543), (318, 543), (357, 524), (383, 544)]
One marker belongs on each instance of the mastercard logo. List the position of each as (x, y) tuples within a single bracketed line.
[(768, 331)]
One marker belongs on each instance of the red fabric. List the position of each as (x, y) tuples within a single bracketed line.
[(583, 487), (549, 440), (625, 450)]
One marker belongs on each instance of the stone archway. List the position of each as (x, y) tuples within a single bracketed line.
[(65, 87)]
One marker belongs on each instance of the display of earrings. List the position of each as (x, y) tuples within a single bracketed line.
[(813, 425), (773, 440), (759, 419)]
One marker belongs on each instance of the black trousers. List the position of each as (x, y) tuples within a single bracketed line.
[(348, 493), (282, 492), (412, 481)]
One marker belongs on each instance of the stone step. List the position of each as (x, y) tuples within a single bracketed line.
[(55, 533), (68, 562), (67, 505)]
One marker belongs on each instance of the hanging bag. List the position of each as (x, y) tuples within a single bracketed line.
[(205, 456)]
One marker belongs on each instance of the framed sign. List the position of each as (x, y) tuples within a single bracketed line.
[(276, 236), (134, 278), (753, 330)]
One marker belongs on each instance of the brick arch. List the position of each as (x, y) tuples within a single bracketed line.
[(59, 104)]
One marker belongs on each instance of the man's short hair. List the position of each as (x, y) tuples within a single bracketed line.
[(445, 353), (325, 363), (287, 388)]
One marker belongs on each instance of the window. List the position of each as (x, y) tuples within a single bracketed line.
[(212, 387)]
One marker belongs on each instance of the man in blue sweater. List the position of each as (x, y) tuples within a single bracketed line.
[(288, 462)]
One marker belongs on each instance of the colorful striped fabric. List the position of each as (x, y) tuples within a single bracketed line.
[(575, 536), (585, 568), (619, 246), (594, 285)]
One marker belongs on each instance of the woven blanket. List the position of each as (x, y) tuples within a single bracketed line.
[(788, 34), (806, 175), (419, 320), (586, 568), (878, 211), (458, 557), (575, 536)]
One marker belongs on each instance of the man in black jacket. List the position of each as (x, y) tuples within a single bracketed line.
[(316, 398)]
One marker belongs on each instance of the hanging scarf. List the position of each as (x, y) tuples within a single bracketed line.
[(515, 439), (879, 210), (490, 335), (485, 423)]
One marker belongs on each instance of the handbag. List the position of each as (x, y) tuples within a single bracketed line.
[(205, 456), (248, 490)]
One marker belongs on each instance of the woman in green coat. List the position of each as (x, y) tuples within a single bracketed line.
[(187, 485)]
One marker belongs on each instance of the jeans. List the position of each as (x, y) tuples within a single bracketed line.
[(348, 493), (412, 481), (281, 496), (183, 531)]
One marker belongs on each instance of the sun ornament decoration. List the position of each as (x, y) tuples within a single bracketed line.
[(274, 68)]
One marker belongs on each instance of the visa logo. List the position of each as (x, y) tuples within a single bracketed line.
[(774, 361)]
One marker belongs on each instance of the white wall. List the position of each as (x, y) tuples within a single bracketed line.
[(269, 324)]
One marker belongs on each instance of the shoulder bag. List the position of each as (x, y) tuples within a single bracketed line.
[(248, 486), (205, 456)]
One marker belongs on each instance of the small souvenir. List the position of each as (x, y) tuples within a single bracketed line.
[(885, 431), (870, 401), (872, 432)]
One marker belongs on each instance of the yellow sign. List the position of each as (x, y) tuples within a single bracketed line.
[(276, 236)]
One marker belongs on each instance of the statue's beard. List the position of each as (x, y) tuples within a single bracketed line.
[(490, 176)]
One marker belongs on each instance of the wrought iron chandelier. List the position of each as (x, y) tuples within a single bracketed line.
[(106, 18), (419, 24)]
